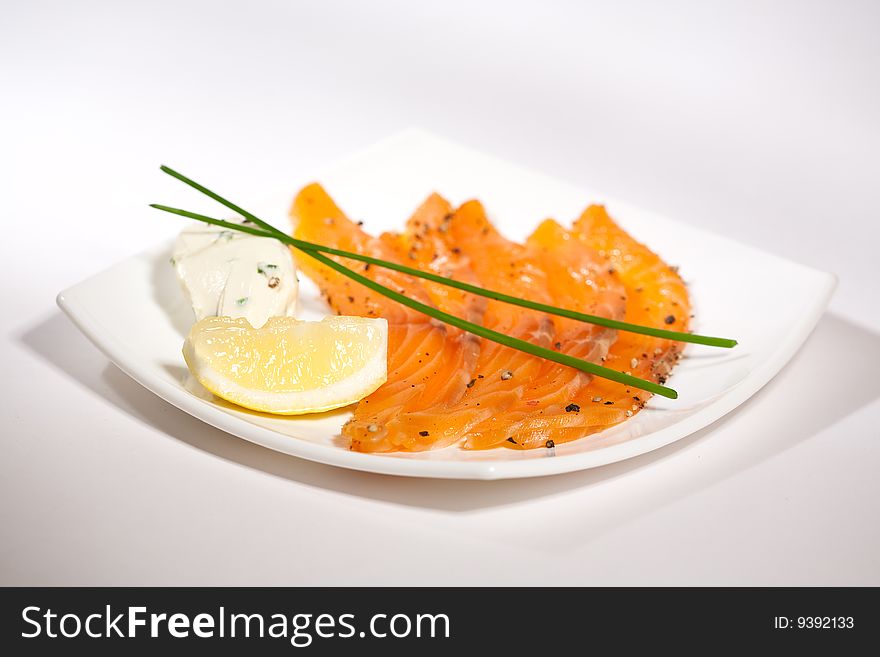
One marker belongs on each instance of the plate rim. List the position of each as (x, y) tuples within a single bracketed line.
[(203, 410)]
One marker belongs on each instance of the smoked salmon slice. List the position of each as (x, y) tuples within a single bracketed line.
[(447, 386), (580, 280), (427, 361), (317, 218), (501, 373), (656, 296), (425, 244)]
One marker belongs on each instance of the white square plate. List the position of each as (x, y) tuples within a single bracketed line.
[(136, 314)]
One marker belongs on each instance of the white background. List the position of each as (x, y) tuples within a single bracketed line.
[(758, 121)]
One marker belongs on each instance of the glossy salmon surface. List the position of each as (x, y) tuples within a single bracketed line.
[(446, 386)]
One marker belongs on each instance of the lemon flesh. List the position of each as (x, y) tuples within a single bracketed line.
[(289, 366)]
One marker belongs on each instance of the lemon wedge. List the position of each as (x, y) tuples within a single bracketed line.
[(289, 366)]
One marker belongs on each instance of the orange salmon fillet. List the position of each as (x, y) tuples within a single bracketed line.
[(501, 374), (579, 280), (447, 386), (425, 244), (428, 361), (656, 296)]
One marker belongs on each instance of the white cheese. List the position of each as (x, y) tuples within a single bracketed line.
[(228, 273)]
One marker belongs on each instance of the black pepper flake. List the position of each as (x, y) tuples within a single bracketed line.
[(670, 319), (558, 345), (367, 267), (572, 408), (360, 223), (550, 444), (471, 383), (480, 376), (511, 440), (607, 403), (351, 299), (423, 433), (456, 250)]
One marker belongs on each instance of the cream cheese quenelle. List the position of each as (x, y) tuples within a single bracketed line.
[(227, 273)]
